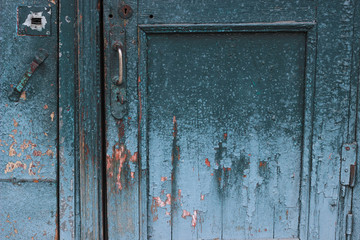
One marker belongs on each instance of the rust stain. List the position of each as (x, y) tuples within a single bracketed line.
[(12, 151), (37, 153), (168, 199), (49, 153), (225, 136), (15, 123), (163, 179), (207, 162), (11, 166), (134, 157), (109, 165), (52, 115), (185, 214), (262, 164), (202, 197), (14, 131), (26, 144), (194, 219), (46, 106), (120, 156), (23, 95), (31, 171)]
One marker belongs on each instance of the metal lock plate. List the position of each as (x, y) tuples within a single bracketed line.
[(118, 101), (34, 21), (348, 164)]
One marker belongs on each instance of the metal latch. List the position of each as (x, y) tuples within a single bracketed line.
[(40, 57), (348, 164)]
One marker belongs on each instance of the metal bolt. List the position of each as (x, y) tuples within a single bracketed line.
[(346, 170)]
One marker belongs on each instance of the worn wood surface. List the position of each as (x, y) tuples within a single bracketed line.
[(195, 109), (221, 135), (90, 119), (122, 158), (69, 217), (28, 129), (333, 79)]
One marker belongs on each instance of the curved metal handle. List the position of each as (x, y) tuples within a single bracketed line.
[(119, 50), (40, 57)]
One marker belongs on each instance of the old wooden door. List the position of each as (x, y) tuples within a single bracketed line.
[(230, 119), (233, 119)]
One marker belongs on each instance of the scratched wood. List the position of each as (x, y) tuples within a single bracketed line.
[(226, 120), (333, 81), (68, 140), (224, 143), (89, 128), (28, 132), (122, 158)]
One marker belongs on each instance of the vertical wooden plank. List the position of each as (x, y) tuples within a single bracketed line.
[(354, 123), (122, 158), (333, 76), (90, 119), (68, 190)]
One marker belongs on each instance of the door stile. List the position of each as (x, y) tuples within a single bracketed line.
[(305, 187), (122, 156), (89, 116), (355, 124), (68, 177), (333, 80)]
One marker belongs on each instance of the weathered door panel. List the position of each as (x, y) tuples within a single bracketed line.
[(28, 135), (236, 116), (224, 126)]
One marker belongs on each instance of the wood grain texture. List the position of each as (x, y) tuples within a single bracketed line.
[(68, 139), (90, 119), (122, 157), (333, 71)]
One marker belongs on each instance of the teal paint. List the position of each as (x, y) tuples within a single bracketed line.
[(28, 128), (176, 54)]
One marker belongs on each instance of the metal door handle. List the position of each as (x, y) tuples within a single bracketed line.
[(40, 57), (119, 50), (118, 100)]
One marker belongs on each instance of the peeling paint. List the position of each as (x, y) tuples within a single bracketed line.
[(12, 166)]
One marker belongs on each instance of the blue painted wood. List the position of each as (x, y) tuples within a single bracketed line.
[(333, 81), (28, 210), (291, 187), (223, 139), (69, 220), (89, 128), (122, 158), (28, 128)]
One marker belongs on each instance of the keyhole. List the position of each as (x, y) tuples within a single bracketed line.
[(125, 11)]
